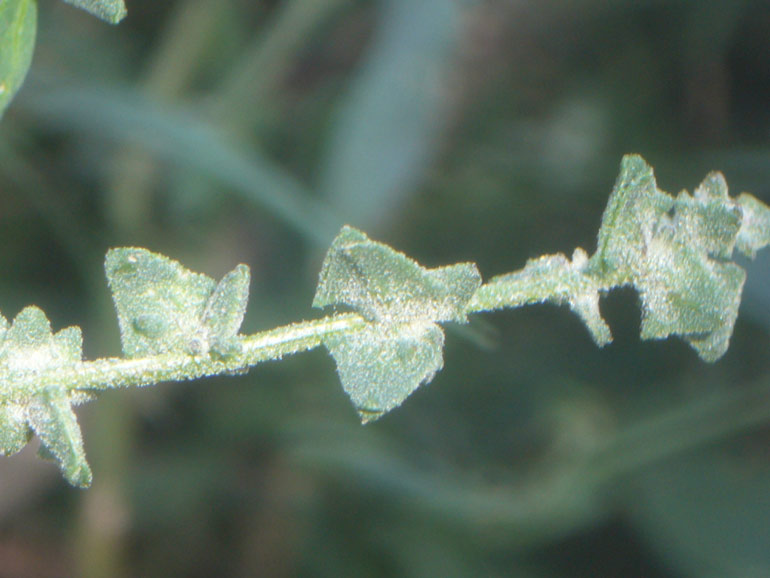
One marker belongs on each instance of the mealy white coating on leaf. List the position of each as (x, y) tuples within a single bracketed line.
[(14, 431), (28, 349), (383, 284), (225, 310), (112, 11), (29, 346), (164, 307), (381, 365), (754, 233), (401, 346), (672, 251), (51, 417)]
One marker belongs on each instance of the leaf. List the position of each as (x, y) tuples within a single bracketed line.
[(18, 25), (163, 307), (381, 365), (755, 225), (30, 402), (54, 422), (225, 310), (112, 11), (401, 346), (674, 251), (384, 285), (554, 278)]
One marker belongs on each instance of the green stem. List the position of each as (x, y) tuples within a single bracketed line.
[(537, 285), (500, 295), (110, 373)]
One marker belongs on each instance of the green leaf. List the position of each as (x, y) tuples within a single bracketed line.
[(14, 430), (163, 307), (225, 310), (18, 25), (382, 284), (112, 11), (51, 417), (381, 366), (629, 221), (554, 278), (754, 233), (30, 402), (401, 346), (674, 251)]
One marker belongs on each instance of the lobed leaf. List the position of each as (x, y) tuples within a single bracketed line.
[(29, 349), (674, 251), (165, 308), (401, 347), (112, 11), (18, 26)]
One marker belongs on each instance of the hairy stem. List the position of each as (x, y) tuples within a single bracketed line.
[(110, 373)]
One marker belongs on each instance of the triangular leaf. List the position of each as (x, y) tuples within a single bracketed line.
[(383, 284), (163, 307), (401, 347), (112, 11), (630, 219), (380, 366)]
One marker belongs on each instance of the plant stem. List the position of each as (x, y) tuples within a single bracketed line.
[(525, 287), (110, 373)]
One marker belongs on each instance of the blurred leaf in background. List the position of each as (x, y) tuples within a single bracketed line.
[(489, 131), (18, 21)]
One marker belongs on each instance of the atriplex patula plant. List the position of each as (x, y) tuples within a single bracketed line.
[(177, 325)]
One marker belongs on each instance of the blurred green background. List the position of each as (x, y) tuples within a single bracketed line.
[(227, 131)]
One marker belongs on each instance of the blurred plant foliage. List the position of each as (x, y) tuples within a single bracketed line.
[(176, 324), (18, 27)]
